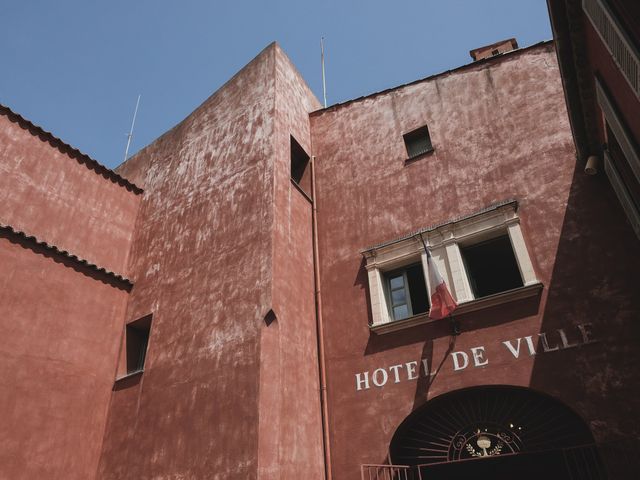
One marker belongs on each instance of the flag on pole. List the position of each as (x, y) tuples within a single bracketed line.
[(442, 303)]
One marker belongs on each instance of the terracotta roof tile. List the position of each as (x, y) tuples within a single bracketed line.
[(71, 151), (63, 253)]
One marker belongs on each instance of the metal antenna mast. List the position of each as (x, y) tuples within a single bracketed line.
[(130, 134), (324, 84)]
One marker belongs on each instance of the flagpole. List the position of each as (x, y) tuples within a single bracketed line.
[(130, 134), (455, 327), (424, 244), (324, 84)]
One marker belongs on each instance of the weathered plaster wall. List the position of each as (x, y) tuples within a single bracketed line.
[(593, 278), (60, 321), (290, 422), (48, 193), (500, 130), (224, 243), (60, 326), (203, 261)]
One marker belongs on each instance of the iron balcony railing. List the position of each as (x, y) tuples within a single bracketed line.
[(388, 472), (618, 460)]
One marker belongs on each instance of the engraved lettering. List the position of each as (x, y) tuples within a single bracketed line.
[(563, 339), (545, 343), (362, 383), (532, 350), (396, 375), (385, 377), (425, 367), (479, 360), (585, 331), (515, 351), (456, 363), (411, 370)]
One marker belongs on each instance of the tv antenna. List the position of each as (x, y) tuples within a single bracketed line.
[(324, 84), (130, 134)]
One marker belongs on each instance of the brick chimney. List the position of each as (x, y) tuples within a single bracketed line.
[(494, 49)]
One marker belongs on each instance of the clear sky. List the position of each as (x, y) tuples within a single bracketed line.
[(75, 67)]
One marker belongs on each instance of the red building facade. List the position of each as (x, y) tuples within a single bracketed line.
[(247, 297)]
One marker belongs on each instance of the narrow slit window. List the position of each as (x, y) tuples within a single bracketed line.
[(300, 167), (418, 142), (137, 340), (491, 266)]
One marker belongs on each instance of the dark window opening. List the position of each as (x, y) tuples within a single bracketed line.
[(137, 339), (300, 167), (495, 52), (407, 292), (491, 266), (418, 142)]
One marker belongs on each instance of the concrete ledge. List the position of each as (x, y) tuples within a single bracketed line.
[(463, 308), (129, 375)]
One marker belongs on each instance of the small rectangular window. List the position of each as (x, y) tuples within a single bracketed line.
[(137, 341), (491, 266), (418, 142), (407, 292), (300, 167)]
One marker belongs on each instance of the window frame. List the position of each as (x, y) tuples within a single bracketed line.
[(300, 166), (134, 353), (389, 276), (444, 242), (473, 275), (408, 290), (416, 134)]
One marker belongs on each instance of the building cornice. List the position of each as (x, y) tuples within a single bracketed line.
[(484, 61), (74, 153), (496, 206), (55, 251), (567, 25)]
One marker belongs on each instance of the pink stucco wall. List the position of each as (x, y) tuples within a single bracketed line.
[(218, 222), (47, 191), (500, 130)]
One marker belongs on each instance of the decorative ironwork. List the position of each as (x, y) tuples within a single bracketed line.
[(486, 422)]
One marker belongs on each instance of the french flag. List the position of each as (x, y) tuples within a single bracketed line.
[(442, 303)]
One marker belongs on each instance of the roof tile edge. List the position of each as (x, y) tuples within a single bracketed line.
[(70, 150), (63, 253), (476, 63)]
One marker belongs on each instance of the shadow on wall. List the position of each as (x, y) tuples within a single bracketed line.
[(594, 283)]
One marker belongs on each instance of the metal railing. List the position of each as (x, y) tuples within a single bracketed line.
[(621, 459), (388, 472), (618, 460)]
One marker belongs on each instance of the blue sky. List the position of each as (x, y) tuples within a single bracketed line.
[(75, 67)]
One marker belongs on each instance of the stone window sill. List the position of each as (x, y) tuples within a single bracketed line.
[(464, 307), (129, 375), (300, 189), (420, 156)]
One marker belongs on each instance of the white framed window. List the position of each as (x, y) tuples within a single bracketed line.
[(406, 292), (482, 258)]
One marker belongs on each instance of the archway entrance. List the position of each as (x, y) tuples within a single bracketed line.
[(497, 432)]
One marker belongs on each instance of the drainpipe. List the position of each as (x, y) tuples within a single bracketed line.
[(320, 329)]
